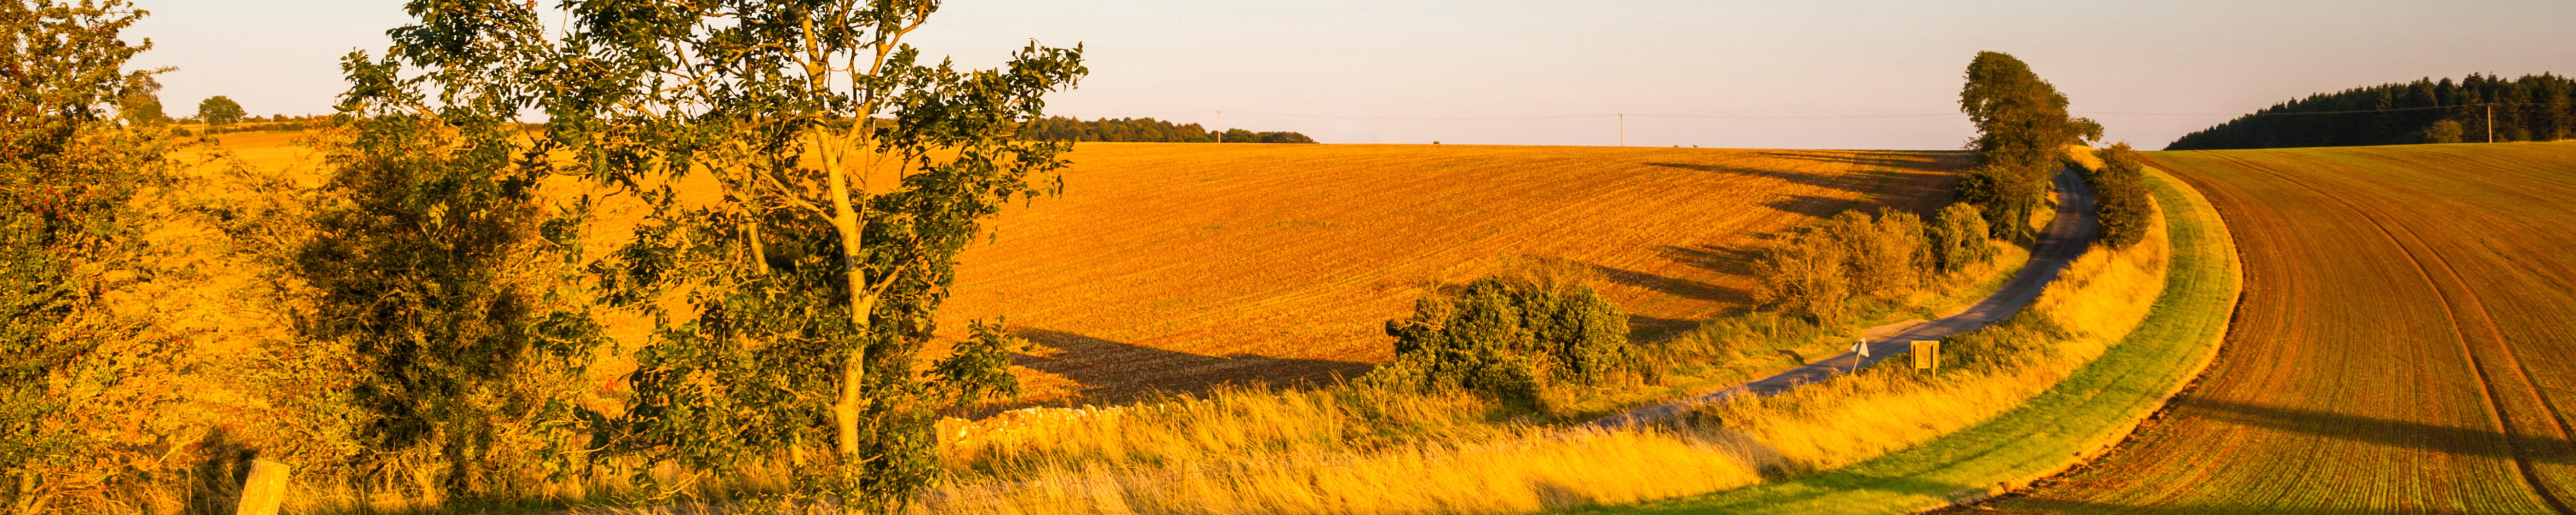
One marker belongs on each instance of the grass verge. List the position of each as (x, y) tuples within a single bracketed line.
[(2085, 414)]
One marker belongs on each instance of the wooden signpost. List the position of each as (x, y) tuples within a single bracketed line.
[(1927, 354), (265, 489)]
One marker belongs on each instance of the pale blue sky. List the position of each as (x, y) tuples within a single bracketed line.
[(1456, 58)]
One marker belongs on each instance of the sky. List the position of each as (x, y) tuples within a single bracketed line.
[(1841, 74)]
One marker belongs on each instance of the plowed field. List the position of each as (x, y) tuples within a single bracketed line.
[(2402, 345), (1180, 266), (1177, 266)]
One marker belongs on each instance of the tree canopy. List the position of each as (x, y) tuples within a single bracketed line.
[(218, 111), (2022, 131)]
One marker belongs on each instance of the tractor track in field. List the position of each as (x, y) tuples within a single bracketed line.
[(2514, 436)]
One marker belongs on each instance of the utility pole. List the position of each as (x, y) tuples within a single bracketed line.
[(2490, 123), (1623, 129), (1220, 126)]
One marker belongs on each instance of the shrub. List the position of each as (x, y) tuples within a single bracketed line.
[(1806, 277), (1888, 257), (1506, 337), (1959, 239), (2120, 197), (2006, 199), (1816, 274)]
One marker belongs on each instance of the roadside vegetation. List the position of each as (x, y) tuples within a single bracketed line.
[(2147, 351)]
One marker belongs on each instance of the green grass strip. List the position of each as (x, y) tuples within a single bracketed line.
[(2082, 416)]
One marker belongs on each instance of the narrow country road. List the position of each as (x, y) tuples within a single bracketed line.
[(2069, 233)]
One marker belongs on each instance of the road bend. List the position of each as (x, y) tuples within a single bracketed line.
[(2070, 231)]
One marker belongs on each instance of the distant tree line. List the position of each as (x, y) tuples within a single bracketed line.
[(2532, 108), (1146, 130)]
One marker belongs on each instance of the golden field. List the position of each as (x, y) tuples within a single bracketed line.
[(1180, 266)]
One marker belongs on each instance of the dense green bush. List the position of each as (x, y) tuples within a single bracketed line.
[(2120, 197), (1506, 337), (1960, 238)]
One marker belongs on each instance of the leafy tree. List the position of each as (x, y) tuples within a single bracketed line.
[(412, 266), (845, 173), (2120, 198), (218, 112), (141, 103), (2022, 129), (66, 172)]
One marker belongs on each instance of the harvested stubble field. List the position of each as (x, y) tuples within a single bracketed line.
[(1176, 267), (2401, 346)]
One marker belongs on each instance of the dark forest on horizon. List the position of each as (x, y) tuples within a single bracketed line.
[(2532, 108)]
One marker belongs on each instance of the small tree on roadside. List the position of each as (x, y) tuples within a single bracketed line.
[(2120, 198), (1959, 238), (218, 112)]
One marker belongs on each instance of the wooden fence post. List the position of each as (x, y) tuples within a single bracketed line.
[(264, 490)]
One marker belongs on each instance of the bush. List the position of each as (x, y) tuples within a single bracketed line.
[(2005, 197), (2120, 197), (1816, 274), (1806, 277), (1959, 239), (1888, 256), (1506, 337)]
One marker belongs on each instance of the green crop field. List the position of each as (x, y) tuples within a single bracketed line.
[(2401, 346)]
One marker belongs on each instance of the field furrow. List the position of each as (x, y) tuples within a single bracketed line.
[(2399, 347)]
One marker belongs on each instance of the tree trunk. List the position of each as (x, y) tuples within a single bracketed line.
[(846, 219)]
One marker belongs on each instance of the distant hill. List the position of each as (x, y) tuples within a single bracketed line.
[(2532, 108), (1146, 130)]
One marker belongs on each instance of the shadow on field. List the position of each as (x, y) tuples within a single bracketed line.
[(1810, 205), (1924, 180), (1117, 372), (1674, 286), (1834, 182), (1872, 159), (2395, 433)]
